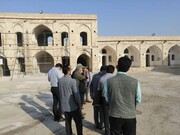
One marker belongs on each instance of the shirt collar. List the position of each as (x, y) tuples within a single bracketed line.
[(119, 73)]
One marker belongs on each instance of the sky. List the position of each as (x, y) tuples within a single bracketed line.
[(115, 17)]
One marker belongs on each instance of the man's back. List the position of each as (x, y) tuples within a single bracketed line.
[(122, 96), (53, 75), (69, 95)]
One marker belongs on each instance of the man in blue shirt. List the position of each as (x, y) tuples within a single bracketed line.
[(96, 96)]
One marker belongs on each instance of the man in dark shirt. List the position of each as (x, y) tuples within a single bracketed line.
[(96, 96)]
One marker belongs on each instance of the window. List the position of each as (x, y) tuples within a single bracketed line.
[(126, 51), (110, 58), (83, 38), (19, 38), (64, 38), (148, 51), (44, 38), (103, 60), (132, 58), (152, 58), (173, 57), (104, 51), (50, 40)]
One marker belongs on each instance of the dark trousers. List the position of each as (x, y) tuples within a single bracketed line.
[(56, 103), (119, 126), (82, 98), (76, 115), (98, 116), (106, 116)]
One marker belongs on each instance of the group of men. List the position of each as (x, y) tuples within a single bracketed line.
[(69, 89), (114, 97)]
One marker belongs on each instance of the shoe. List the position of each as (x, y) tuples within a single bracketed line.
[(61, 119), (100, 128)]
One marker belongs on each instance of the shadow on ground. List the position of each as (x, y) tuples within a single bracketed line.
[(170, 70), (44, 116)]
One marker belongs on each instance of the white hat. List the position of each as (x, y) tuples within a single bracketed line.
[(79, 65)]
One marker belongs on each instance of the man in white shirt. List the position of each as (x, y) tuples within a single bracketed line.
[(53, 75)]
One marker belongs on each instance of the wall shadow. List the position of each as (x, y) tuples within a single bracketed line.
[(38, 112), (170, 70)]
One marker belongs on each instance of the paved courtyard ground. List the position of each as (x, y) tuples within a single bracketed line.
[(25, 106)]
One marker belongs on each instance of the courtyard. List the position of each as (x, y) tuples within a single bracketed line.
[(26, 101)]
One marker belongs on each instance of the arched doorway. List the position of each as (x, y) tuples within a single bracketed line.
[(173, 56), (84, 60), (44, 61), (133, 53), (43, 35), (153, 56), (4, 66), (107, 56)]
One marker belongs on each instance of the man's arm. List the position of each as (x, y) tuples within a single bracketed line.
[(105, 91), (76, 93), (138, 94)]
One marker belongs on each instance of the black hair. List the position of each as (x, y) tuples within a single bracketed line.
[(59, 65), (124, 63), (65, 70), (110, 69), (103, 68)]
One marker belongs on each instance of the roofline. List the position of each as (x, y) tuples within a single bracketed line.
[(44, 16), (137, 38)]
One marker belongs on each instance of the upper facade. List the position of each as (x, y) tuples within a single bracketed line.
[(33, 43)]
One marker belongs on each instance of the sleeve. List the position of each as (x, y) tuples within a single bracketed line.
[(76, 93), (99, 84), (105, 91), (138, 94)]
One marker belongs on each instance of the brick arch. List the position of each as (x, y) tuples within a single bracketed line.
[(43, 35), (43, 61), (108, 58), (134, 55), (85, 59), (173, 56), (153, 56)]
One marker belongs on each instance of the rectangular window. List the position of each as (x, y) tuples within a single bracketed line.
[(19, 39), (152, 58), (110, 58), (173, 57), (132, 58)]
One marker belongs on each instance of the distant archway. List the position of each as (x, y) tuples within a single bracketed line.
[(153, 56), (84, 60), (4, 66), (133, 53), (173, 56), (44, 61)]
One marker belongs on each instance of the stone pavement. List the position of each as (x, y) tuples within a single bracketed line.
[(25, 106)]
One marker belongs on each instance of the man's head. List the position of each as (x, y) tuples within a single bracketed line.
[(59, 66), (67, 70), (110, 69), (124, 63), (103, 69), (79, 67)]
